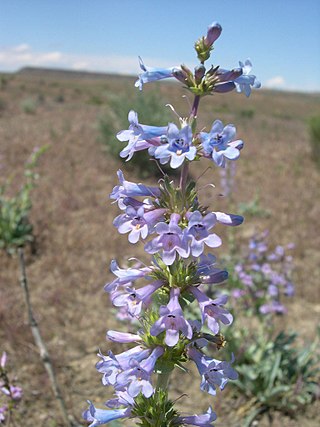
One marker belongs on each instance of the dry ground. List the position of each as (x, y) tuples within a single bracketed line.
[(72, 216)]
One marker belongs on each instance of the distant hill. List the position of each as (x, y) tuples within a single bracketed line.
[(66, 74)]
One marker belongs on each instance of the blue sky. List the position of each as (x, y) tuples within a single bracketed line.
[(281, 37)]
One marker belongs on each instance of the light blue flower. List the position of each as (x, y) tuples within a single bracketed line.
[(219, 145), (172, 321), (133, 299), (97, 417), (112, 365), (151, 74), (124, 276), (212, 310), (203, 420), (178, 148), (137, 378), (198, 231), (171, 240), (139, 136), (213, 372), (246, 80), (131, 189)]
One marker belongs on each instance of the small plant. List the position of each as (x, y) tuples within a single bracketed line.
[(262, 278), (15, 227), (29, 106), (3, 81), (275, 375), (10, 394), (253, 208), (95, 100), (15, 233), (59, 98), (150, 109), (247, 113), (314, 130)]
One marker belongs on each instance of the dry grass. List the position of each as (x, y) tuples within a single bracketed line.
[(75, 238)]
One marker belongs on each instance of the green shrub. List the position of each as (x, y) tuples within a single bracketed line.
[(253, 208), (247, 113), (314, 130), (274, 374), (3, 81), (95, 100), (15, 227), (59, 98), (29, 106), (150, 109)]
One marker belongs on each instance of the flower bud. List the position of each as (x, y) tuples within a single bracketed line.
[(180, 75), (213, 33), (199, 72), (224, 87)]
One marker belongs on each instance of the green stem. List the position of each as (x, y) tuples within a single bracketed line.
[(163, 380), (184, 176)]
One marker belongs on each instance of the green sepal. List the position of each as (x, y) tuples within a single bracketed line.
[(156, 411), (202, 49)]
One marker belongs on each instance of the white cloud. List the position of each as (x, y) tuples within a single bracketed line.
[(277, 82), (18, 56), (15, 57), (50, 57), (21, 47), (81, 65)]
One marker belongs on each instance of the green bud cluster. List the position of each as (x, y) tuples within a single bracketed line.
[(177, 201), (202, 49), (201, 85), (178, 275), (156, 411)]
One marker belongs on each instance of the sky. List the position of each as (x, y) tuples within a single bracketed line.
[(281, 37)]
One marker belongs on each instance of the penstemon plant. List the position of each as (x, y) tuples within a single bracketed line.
[(178, 228)]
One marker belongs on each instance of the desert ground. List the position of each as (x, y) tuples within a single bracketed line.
[(75, 240)]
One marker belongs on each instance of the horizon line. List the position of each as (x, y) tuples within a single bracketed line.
[(128, 75)]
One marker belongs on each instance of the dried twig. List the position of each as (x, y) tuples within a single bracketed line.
[(44, 354)]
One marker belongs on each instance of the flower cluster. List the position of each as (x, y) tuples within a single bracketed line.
[(174, 146), (176, 230), (264, 277), (10, 393)]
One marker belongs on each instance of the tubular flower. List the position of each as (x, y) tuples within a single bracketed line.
[(172, 321), (178, 148), (171, 240), (218, 143), (151, 74), (203, 420), (246, 81), (212, 311), (139, 136), (98, 417)]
